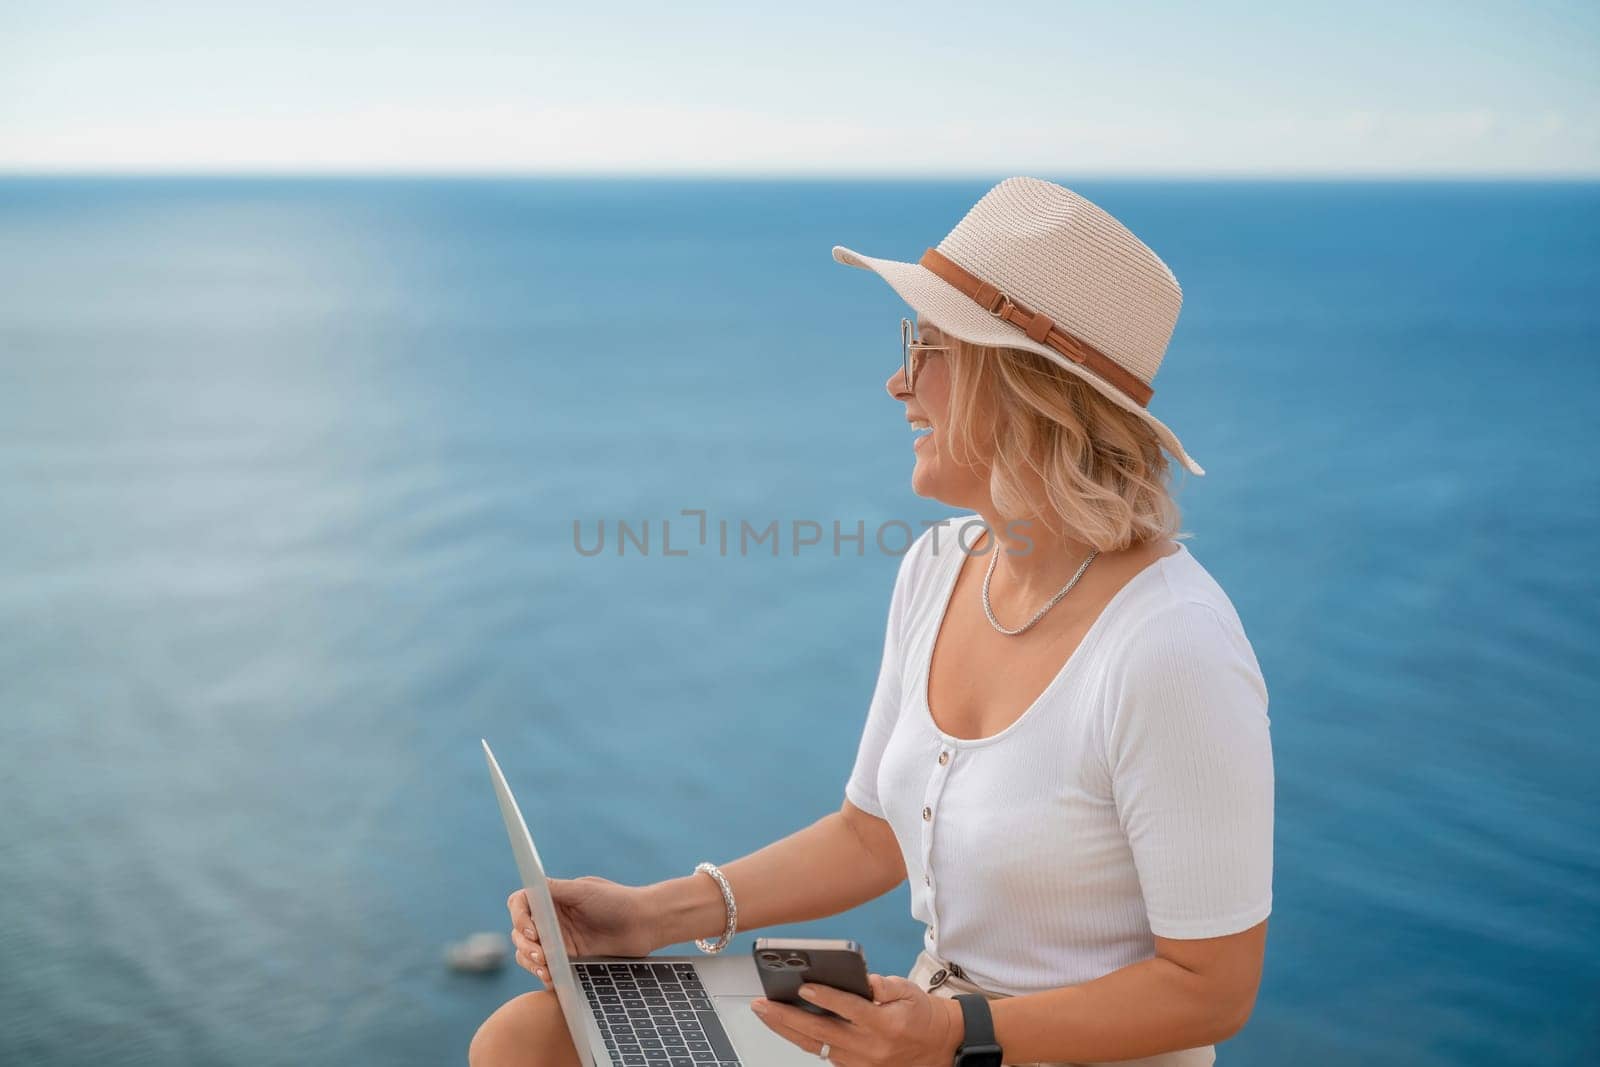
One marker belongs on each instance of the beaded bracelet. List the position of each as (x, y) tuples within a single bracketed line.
[(733, 911)]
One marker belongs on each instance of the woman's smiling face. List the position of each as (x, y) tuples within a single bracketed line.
[(938, 474)]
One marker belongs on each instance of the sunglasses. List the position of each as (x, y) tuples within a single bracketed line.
[(913, 352)]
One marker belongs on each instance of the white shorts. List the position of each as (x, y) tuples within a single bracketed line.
[(944, 979)]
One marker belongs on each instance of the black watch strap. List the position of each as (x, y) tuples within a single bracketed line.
[(978, 1046)]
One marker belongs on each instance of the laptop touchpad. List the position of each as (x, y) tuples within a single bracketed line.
[(756, 1044)]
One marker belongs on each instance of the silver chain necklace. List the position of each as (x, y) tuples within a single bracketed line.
[(989, 611)]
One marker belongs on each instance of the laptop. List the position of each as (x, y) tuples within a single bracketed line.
[(656, 1011)]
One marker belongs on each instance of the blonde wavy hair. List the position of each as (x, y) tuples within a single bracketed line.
[(1058, 450)]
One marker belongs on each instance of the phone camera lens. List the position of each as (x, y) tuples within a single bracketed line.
[(771, 957), (795, 961)]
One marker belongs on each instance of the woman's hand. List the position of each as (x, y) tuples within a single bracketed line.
[(901, 1026), (598, 918)]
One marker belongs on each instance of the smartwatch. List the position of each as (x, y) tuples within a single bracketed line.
[(978, 1046)]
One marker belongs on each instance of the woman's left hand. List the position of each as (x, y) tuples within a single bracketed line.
[(901, 1026)]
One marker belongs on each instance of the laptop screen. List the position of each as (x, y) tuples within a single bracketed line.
[(574, 1005)]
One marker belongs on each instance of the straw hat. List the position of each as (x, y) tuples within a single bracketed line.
[(1035, 266)]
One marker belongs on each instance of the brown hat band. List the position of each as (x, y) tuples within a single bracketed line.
[(1038, 326)]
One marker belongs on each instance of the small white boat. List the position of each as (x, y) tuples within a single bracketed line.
[(478, 953)]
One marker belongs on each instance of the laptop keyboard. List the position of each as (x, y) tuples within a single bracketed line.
[(655, 1014)]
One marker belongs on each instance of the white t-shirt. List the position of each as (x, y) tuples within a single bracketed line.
[(1133, 797)]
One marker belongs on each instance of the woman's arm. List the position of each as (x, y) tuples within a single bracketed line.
[(1191, 993), (843, 859)]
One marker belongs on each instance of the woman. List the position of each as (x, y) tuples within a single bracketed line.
[(1067, 751)]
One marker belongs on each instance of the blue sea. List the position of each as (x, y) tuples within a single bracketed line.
[(299, 479)]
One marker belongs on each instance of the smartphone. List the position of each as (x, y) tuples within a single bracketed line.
[(786, 963)]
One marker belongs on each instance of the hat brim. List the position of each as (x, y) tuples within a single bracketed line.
[(956, 314)]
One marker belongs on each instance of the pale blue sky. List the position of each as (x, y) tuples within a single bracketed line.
[(1400, 87)]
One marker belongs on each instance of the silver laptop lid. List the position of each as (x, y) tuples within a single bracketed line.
[(574, 1005)]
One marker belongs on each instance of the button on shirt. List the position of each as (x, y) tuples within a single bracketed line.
[(1133, 798)]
